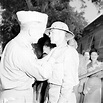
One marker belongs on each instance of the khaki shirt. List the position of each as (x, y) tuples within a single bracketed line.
[(65, 75), (65, 68), (19, 66)]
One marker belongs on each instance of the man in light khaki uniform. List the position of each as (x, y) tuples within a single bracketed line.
[(65, 73), (19, 64)]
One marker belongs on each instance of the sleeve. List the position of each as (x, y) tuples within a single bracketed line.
[(71, 63), (31, 66)]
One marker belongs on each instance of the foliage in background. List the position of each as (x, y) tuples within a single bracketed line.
[(56, 10)]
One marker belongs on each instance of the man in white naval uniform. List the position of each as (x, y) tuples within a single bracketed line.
[(19, 64), (65, 69)]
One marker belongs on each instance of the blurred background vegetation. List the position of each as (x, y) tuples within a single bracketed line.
[(56, 10)]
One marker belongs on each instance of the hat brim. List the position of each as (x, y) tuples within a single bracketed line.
[(69, 34)]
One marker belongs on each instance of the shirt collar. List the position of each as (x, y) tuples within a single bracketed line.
[(23, 42)]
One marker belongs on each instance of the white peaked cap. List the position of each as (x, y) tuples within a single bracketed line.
[(30, 16)]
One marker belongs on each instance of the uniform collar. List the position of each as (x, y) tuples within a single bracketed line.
[(62, 46), (23, 42)]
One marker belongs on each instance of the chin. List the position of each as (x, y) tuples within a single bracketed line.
[(53, 42), (34, 41)]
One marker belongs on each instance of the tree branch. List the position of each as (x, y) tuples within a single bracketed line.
[(29, 4)]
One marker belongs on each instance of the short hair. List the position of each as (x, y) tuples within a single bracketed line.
[(94, 50), (84, 51)]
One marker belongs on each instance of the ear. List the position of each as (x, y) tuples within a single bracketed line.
[(31, 32)]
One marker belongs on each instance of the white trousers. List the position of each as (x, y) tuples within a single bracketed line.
[(56, 96), (13, 96)]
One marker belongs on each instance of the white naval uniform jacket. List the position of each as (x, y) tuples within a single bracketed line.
[(19, 68), (65, 73)]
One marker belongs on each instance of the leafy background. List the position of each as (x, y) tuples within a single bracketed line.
[(56, 10)]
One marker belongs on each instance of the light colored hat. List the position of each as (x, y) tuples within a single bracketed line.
[(30, 16), (61, 26)]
